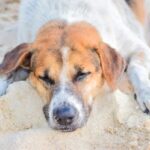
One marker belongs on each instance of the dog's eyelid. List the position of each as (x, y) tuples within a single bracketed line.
[(94, 49), (81, 75), (47, 80)]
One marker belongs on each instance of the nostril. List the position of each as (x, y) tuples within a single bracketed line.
[(64, 115), (65, 121)]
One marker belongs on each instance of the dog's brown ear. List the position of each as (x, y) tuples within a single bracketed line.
[(15, 58), (113, 64)]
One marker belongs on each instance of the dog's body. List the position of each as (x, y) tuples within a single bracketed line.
[(115, 24)]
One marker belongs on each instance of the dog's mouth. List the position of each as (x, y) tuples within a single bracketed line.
[(66, 128)]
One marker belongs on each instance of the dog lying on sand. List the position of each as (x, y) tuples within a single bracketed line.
[(69, 49)]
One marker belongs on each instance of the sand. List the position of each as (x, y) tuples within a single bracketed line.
[(116, 122)]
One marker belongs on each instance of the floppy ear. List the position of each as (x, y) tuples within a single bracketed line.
[(113, 64), (15, 58)]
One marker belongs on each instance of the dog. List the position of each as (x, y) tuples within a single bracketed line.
[(70, 49)]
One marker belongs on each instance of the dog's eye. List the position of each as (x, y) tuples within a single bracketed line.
[(47, 80), (81, 75)]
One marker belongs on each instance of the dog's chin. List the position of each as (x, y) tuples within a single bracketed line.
[(67, 128)]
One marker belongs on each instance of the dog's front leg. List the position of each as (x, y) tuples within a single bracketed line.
[(138, 71), (138, 68), (134, 48), (139, 76)]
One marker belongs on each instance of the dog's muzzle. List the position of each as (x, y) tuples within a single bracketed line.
[(66, 111)]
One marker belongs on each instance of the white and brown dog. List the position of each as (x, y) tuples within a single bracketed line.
[(67, 59)]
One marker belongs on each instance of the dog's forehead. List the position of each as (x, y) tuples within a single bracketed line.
[(73, 58), (54, 38), (55, 35), (82, 34)]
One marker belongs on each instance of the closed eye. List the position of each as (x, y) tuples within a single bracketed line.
[(47, 79), (81, 75)]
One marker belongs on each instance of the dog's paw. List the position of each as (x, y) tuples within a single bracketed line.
[(143, 98), (3, 85)]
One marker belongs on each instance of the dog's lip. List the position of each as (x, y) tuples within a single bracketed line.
[(66, 128)]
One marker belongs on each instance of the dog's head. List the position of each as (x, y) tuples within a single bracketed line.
[(69, 65)]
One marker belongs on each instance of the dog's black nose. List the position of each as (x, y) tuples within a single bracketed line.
[(64, 115)]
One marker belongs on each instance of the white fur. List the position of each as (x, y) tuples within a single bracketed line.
[(63, 74), (147, 22), (113, 19)]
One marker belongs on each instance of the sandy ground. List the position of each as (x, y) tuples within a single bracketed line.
[(116, 122)]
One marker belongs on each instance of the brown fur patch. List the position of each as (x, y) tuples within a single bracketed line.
[(48, 55), (113, 64), (14, 58), (50, 36), (84, 42), (82, 34)]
